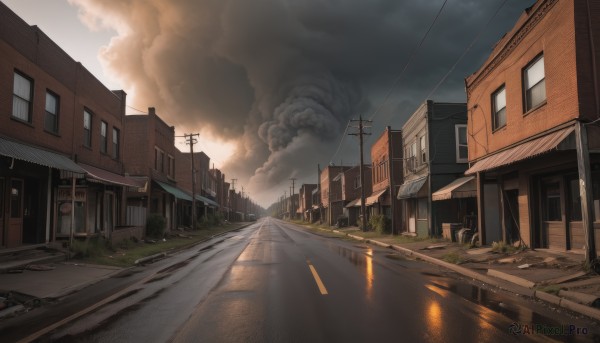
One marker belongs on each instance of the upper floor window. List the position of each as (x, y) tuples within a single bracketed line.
[(103, 138), (171, 166), (87, 129), (423, 143), (499, 108), (115, 143), (159, 158), (22, 97), (51, 119), (462, 151), (534, 84)]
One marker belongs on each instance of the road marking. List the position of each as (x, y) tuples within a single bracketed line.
[(317, 278)]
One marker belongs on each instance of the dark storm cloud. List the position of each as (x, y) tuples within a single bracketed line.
[(281, 77)]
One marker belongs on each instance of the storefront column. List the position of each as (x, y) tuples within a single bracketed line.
[(49, 206), (480, 208), (585, 191)]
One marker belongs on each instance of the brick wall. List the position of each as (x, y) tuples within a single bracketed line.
[(554, 36)]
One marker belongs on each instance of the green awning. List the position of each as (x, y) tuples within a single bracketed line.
[(178, 193)]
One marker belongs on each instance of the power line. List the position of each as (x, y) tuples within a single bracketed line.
[(414, 52), (340, 145)]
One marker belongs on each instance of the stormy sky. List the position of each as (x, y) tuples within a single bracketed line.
[(280, 79)]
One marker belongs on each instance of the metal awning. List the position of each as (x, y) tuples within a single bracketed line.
[(106, 176), (464, 187), (178, 193), (354, 203), (411, 188), (374, 197), (39, 156), (206, 201), (522, 151)]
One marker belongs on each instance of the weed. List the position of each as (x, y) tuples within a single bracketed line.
[(453, 257), (501, 247), (552, 289)]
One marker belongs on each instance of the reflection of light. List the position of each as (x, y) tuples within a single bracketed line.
[(369, 275), (438, 290), (434, 319)]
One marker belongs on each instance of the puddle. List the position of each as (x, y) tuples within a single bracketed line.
[(520, 315)]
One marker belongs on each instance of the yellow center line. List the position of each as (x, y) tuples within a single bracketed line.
[(322, 288)]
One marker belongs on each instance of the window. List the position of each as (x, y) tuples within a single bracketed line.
[(499, 108), (51, 120), (87, 129), (534, 84), (22, 97), (159, 160), (574, 199), (103, 139), (171, 166), (462, 150), (115, 143), (423, 144)]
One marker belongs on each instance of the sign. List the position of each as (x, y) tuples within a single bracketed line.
[(65, 194)]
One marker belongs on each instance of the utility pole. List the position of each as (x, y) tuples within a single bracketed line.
[(191, 140), (360, 135), (293, 179)]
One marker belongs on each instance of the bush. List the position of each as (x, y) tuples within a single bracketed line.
[(156, 225), (380, 223)]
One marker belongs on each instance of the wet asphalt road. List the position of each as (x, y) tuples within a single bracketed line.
[(274, 282)]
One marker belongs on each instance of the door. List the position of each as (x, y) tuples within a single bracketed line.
[(412, 216), (14, 236), (552, 221)]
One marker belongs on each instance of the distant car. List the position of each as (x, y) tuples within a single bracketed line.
[(251, 217)]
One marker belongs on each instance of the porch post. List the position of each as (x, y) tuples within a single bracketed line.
[(585, 184), (480, 208), (502, 208), (49, 207)]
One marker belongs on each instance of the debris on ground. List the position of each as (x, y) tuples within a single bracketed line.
[(436, 246), (40, 267)]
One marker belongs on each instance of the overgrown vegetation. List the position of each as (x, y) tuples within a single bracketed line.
[(380, 224), (155, 225), (89, 247), (209, 220), (501, 247), (552, 289)]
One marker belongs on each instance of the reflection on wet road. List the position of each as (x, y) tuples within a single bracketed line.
[(275, 282)]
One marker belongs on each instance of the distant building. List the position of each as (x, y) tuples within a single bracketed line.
[(331, 194), (306, 200), (435, 154)]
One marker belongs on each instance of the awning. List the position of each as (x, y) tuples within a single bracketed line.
[(354, 203), (106, 176), (178, 193), (374, 197), (206, 201), (463, 187), (38, 156), (522, 151), (411, 188)]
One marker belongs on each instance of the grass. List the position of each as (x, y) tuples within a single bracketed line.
[(125, 253), (552, 289), (453, 257)]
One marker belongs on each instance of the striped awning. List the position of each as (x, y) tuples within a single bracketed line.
[(374, 198), (463, 187), (39, 156), (109, 177), (522, 151)]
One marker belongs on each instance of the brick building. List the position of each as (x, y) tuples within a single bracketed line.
[(306, 200), (351, 192), (387, 176), (61, 143), (534, 107), (151, 156), (331, 193)]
